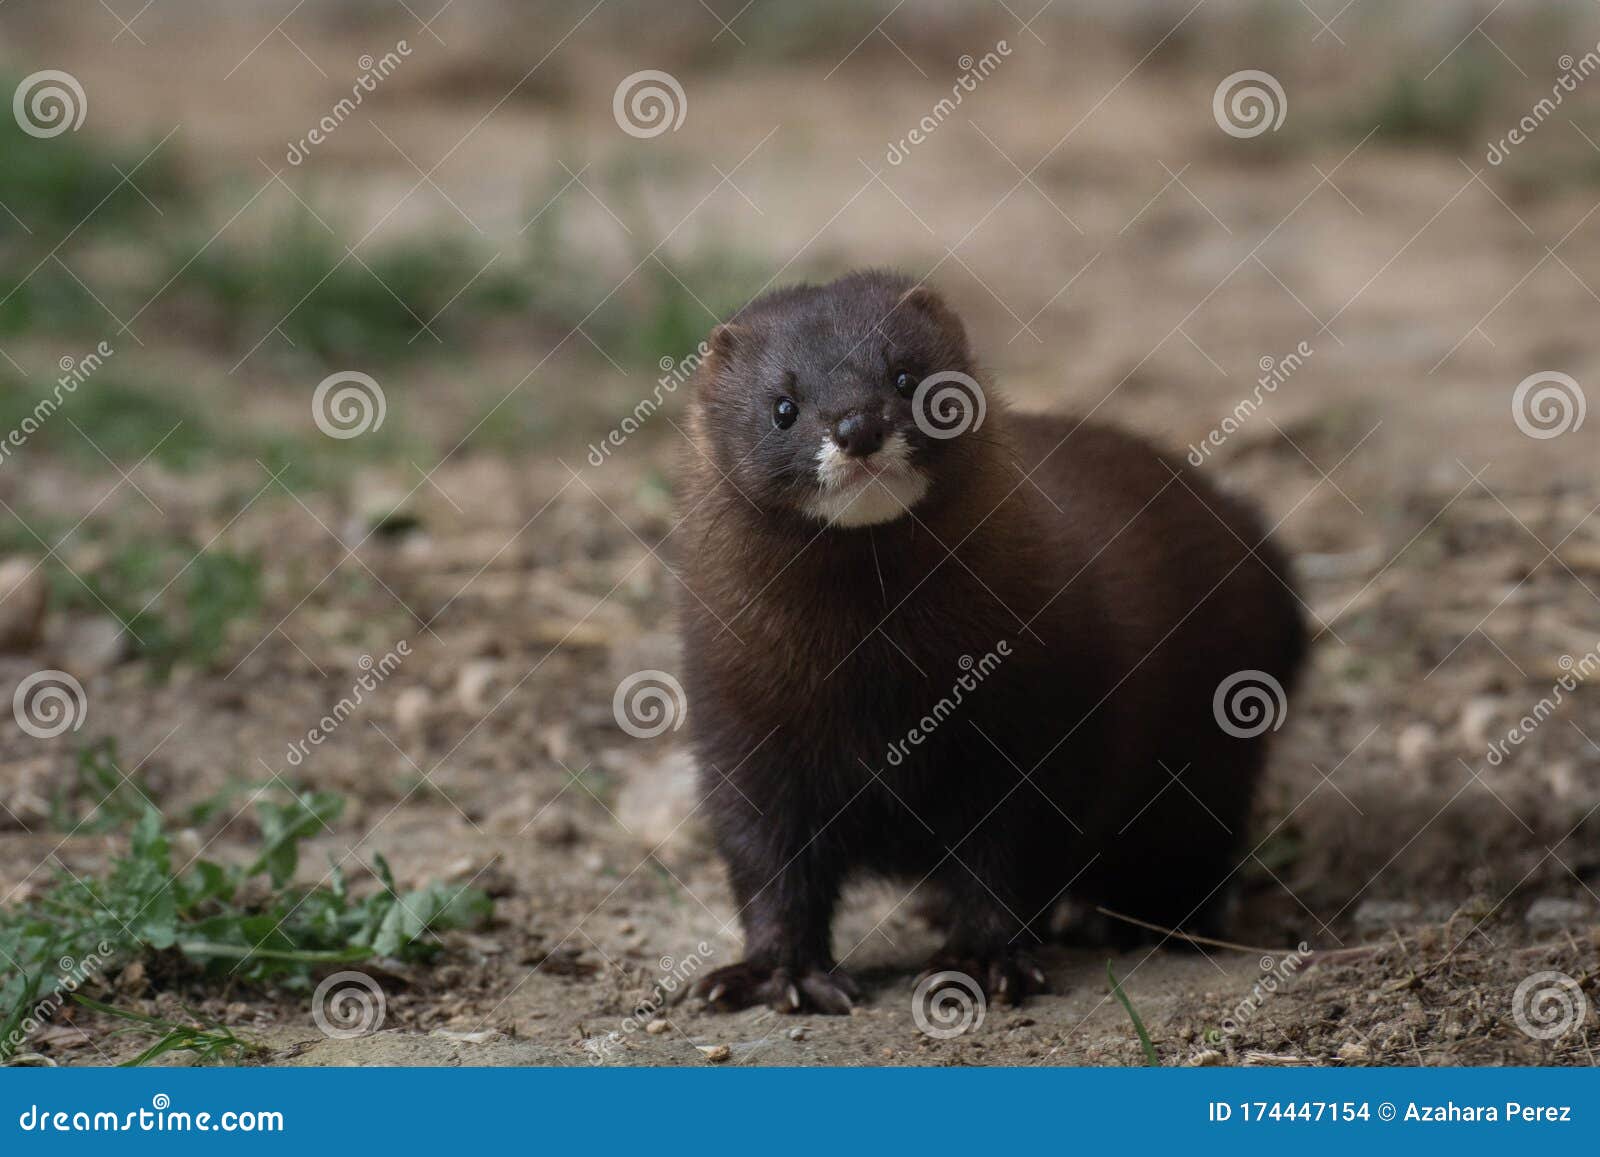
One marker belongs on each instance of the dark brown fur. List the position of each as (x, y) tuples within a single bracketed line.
[(1125, 585)]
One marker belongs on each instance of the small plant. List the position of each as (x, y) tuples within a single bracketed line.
[(110, 800), (1150, 1057), (182, 619), (213, 1043), (250, 922)]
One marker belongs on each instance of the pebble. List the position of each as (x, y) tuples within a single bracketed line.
[(1415, 744), (1549, 913), (1476, 716), (1205, 1058), (657, 1027), (716, 1054), (797, 1034), (1386, 913), (411, 708), (91, 646), (1354, 1051), (23, 595), (472, 685)]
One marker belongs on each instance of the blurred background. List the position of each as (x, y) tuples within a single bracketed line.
[(338, 343)]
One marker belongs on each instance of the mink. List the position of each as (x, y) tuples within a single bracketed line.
[(930, 639)]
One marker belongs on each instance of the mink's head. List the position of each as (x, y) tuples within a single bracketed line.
[(847, 402)]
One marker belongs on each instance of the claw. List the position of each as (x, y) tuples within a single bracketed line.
[(716, 993), (794, 998)]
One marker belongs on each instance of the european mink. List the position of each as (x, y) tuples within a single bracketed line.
[(993, 662)]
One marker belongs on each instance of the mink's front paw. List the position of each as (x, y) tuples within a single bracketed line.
[(1006, 976), (741, 985)]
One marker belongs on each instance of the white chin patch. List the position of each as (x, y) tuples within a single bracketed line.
[(848, 497)]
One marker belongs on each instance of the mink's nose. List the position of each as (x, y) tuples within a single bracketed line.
[(858, 434)]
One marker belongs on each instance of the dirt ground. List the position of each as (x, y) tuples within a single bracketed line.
[(1113, 250)]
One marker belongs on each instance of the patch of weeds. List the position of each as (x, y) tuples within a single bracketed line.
[(124, 420), (208, 1044), (247, 923), (1150, 1057), (48, 299), (99, 798), (176, 603), (335, 306), (1443, 110), (51, 185)]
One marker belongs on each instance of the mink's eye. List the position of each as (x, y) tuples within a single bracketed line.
[(784, 412), (905, 384)]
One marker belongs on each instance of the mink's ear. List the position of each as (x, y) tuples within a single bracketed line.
[(725, 340), (927, 302), (721, 348)]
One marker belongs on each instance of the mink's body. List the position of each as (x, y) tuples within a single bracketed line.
[(1111, 588)]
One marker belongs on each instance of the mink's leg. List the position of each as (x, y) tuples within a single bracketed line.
[(786, 901), (997, 921)]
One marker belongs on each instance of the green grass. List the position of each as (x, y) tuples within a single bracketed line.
[(1446, 110), (98, 797), (70, 187), (1150, 1057), (177, 601), (243, 923), (51, 185), (377, 306), (206, 1043), (109, 415)]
